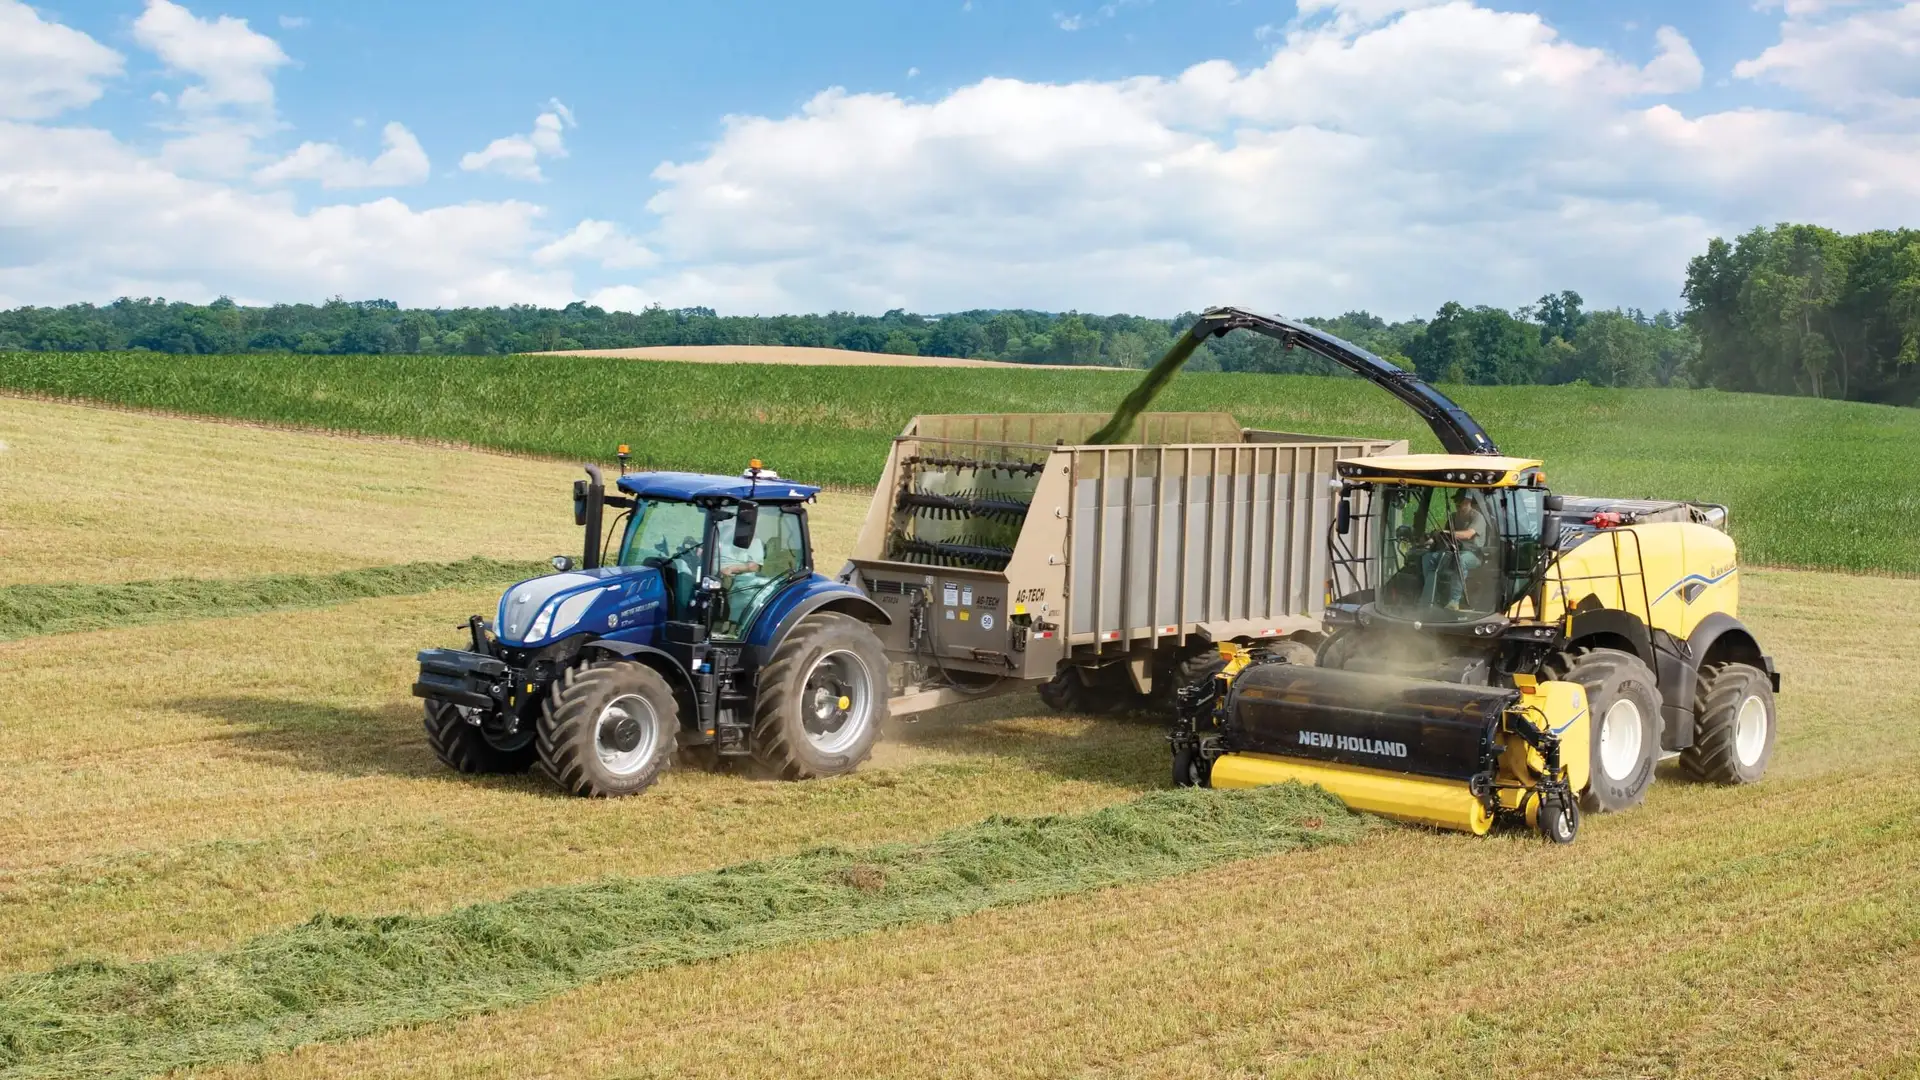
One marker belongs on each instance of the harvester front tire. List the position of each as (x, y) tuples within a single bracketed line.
[(1734, 711), (1621, 691), (463, 747), (609, 729), (823, 699)]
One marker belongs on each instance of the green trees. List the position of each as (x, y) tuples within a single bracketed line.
[(1799, 309), (1794, 309)]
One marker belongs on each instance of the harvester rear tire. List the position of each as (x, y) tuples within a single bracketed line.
[(608, 729), (1620, 690), (827, 659), (463, 747), (1731, 701)]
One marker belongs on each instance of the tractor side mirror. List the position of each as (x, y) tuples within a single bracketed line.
[(1555, 503), (744, 524), (1343, 517), (579, 502)]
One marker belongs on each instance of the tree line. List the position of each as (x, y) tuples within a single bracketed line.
[(1795, 309)]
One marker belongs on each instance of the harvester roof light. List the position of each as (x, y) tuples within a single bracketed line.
[(753, 463)]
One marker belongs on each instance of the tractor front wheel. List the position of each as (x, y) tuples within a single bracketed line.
[(822, 699), (461, 742), (609, 729)]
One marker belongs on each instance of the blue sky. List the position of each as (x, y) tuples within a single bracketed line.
[(1145, 155)]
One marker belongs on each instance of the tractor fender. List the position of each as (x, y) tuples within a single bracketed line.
[(799, 601), (660, 661)]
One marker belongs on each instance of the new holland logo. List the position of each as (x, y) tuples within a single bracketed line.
[(1353, 744)]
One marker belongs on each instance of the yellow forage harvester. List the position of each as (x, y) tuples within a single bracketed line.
[(1447, 755)]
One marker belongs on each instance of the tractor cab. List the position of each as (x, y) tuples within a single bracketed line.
[(723, 546), (1445, 539)]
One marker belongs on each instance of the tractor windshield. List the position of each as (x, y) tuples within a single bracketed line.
[(670, 536), (1455, 554)]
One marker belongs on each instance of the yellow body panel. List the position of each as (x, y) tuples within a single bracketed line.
[(1408, 798), (1647, 571)]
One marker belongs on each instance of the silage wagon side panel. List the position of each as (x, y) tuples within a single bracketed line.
[(1225, 540)]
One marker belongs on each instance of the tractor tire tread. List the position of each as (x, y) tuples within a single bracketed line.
[(769, 740), (563, 747), (461, 746)]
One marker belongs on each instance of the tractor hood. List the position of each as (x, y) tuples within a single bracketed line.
[(546, 609)]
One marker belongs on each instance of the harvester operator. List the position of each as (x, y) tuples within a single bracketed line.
[(1458, 547)]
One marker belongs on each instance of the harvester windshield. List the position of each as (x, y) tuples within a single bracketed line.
[(1455, 554)]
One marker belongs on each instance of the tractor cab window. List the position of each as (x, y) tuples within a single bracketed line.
[(670, 536), (754, 573), (1440, 553)]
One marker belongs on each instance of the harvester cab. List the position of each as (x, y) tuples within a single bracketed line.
[(694, 618)]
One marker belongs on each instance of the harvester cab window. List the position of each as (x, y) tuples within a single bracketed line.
[(754, 573), (1522, 514), (1436, 546), (671, 537)]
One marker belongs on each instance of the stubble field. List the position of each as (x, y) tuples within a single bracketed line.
[(182, 788)]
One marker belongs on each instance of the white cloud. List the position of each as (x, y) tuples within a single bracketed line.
[(91, 218), (47, 68), (603, 242), (402, 162), (1411, 155), (518, 156), (233, 63), (1867, 59), (295, 22)]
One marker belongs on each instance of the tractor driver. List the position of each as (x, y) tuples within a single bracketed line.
[(740, 567), (1461, 543)]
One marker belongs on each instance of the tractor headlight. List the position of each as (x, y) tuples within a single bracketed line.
[(560, 616)]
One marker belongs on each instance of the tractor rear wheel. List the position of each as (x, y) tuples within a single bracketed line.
[(823, 698), (1623, 703), (609, 729), (1733, 707), (464, 746)]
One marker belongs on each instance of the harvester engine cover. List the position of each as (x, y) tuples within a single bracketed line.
[(1432, 753)]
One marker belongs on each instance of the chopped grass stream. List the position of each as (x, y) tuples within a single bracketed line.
[(336, 977), (28, 610)]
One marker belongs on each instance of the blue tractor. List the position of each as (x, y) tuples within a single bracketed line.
[(696, 622)]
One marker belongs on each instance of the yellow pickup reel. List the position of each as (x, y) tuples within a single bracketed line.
[(1448, 755)]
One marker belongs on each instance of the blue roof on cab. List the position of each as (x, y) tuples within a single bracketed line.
[(688, 486)]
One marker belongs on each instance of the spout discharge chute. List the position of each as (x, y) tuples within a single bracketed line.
[(1458, 432)]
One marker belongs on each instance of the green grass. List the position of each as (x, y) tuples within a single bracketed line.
[(1811, 483), (29, 610), (338, 977)]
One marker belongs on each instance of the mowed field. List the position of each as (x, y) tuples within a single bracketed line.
[(180, 788)]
